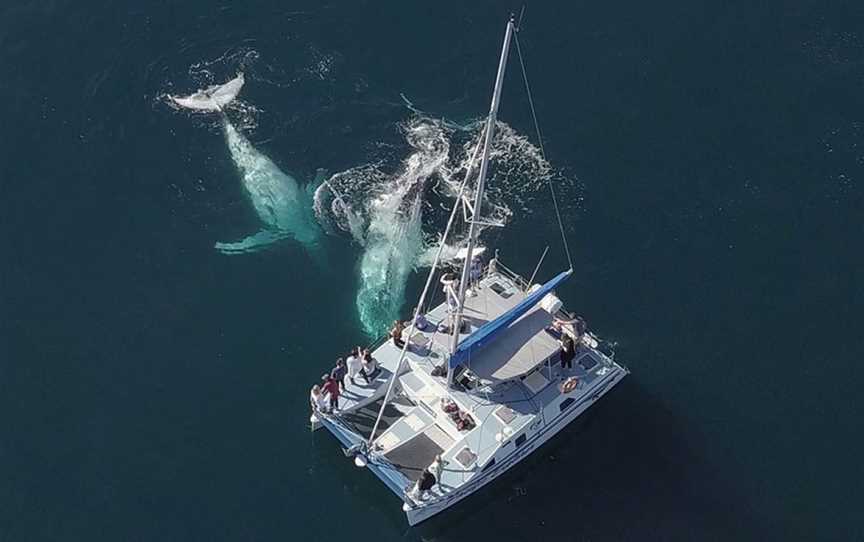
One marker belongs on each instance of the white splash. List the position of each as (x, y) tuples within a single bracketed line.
[(384, 212)]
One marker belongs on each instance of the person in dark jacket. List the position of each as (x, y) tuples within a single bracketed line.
[(339, 372), (568, 351)]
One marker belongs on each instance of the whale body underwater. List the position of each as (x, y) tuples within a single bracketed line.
[(284, 207)]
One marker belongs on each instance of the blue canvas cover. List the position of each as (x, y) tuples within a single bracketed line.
[(490, 330)]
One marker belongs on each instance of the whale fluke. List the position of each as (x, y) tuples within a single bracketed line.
[(212, 98)]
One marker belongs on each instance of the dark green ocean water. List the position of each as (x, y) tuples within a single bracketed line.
[(153, 389)]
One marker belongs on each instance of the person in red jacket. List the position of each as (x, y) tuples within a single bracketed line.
[(332, 389)]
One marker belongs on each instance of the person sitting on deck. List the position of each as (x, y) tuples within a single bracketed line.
[(317, 400), (421, 322), (463, 420), (370, 366), (354, 365), (449, 406), (339, 372), (332, 389), (396, 334)]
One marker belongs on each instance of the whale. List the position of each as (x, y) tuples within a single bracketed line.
[(284, 207), (394, 240)]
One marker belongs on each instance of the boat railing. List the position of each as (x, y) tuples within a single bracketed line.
[(339, 422), (378, 342), (509, 273)]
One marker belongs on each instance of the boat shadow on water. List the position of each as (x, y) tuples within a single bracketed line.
[(626, 470)]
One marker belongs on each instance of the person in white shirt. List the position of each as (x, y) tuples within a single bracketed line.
[(354, 364), (448, 282), (437, 467), (317, 399), (430, 476)]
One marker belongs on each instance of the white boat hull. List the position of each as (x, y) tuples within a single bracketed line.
[(418, 514)]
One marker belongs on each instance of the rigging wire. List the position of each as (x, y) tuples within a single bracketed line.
[(540, 142), (420, 302)]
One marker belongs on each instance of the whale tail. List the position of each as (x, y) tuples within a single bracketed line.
[(212, 98)]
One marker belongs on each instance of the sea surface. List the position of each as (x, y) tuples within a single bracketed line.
[(710, 162)]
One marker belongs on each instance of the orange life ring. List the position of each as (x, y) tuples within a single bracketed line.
[(570, 384)]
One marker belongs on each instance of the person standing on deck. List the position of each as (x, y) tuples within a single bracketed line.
[(317, 400), (476, 272), (354, 365), (430, 476), (568, 351), (332, 389), (448, 282), (437, 468), (339, 372)]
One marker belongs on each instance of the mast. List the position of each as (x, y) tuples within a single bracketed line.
[(420, 303), (478, 198)]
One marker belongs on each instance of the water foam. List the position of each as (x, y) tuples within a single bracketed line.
[(384, 212)]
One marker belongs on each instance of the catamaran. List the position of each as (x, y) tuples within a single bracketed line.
[(475, 384)]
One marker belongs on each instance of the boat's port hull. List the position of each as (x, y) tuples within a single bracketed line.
[(418, 514)]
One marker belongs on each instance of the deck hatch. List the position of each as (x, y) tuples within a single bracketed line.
[(587, 362), (466, 457), (500, 290), (505, 414)]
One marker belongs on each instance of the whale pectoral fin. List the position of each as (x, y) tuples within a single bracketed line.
[(259, 241)]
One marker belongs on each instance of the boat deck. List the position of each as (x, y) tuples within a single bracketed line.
[(414, 427)]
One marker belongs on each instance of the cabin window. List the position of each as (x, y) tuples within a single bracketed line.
[(566, 403), (520, 440), (489, 465)]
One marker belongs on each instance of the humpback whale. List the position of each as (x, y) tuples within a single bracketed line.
[(383, 212), (284, 208), (282, 205)]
